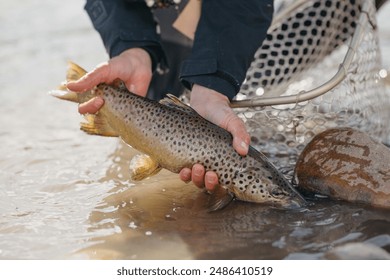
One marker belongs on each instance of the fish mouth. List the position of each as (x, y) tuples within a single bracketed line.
[(296, 203), (291, 203), (289, 199), (297, 200)]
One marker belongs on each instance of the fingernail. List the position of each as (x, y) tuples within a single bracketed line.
[(132, 88), (68, 83), (99, 102), (244, 145), (187, 175), (211, 181)]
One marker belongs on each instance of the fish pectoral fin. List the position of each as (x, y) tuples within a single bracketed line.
[(173, 102), (97, 125), (219, 199), (143, 166)]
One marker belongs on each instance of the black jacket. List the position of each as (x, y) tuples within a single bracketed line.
[(228, 34)]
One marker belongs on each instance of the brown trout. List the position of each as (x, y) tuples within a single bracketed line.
[(172, 135)]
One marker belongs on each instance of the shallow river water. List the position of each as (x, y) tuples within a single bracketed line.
[(67, 195)]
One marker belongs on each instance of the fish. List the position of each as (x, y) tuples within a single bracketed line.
[(172, 135)]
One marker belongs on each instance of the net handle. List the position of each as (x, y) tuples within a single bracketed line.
[(322, 89)]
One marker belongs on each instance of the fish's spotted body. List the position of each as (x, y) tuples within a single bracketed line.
[(173, 136)]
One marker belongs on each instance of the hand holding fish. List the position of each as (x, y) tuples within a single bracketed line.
[(218, 111), (133, 67)]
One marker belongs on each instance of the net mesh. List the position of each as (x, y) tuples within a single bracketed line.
[(303, 50)]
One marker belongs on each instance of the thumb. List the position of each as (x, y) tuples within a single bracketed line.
[(241, 138), (139, 89), (139, 84)]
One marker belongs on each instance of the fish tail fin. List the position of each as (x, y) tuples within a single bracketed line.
[(63, 93), (143, 166), (73, 73), (97, 125)]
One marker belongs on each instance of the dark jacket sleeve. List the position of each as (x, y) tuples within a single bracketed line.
[(125, 24), (228, 34)]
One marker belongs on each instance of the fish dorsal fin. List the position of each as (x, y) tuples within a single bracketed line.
[(97, 125), (173, 102), (74, 72)]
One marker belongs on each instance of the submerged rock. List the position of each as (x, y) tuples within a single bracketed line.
[(346, 164), (357, 251)]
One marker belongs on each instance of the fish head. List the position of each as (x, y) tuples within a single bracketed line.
[(271, 189)]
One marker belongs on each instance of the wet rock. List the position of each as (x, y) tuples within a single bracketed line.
[(357, 251), (346, 164)]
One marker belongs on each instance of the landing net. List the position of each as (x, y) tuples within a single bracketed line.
[(319, 68)]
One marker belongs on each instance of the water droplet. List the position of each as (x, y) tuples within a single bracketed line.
[(169, 218), (383, 73), (132, 225)]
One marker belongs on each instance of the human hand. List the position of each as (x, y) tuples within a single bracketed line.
[(214, 107), (133, 67)]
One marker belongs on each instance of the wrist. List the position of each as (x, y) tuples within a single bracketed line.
[(203, 97), (142, 56)]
